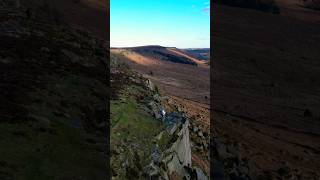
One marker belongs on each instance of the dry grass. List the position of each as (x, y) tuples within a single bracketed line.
[(181, 80)]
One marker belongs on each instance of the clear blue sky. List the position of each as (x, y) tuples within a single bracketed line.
[(174, 23)]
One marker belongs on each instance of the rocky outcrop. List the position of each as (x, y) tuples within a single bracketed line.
[(171, 156), (178, 157), (150, 85)]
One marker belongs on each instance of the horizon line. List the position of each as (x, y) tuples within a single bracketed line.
[(159, 46)]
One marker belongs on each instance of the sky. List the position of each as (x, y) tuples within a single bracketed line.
[(169, 23)]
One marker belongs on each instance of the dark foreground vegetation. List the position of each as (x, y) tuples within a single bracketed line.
[(53, 93)]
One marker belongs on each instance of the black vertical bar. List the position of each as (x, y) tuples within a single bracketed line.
[(108, 169)]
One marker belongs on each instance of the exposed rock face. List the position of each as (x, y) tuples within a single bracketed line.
[(179, 155)]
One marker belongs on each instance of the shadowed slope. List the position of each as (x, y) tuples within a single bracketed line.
[(265, 90), (53, 91)]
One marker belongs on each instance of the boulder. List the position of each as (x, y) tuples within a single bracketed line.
[(200, 134), (150, 85), (156, 98), (174, 117), (155, 109), (157, 114), (152, 171), (200, 174), (195, 129), (172, 129), (156, 156), (179, 109), (159, 136)]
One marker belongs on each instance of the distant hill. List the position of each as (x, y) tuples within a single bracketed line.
[(199, 53), (171, 54)]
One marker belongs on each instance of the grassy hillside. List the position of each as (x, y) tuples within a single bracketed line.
[(162, 54), (132, 134), (177, 79)]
